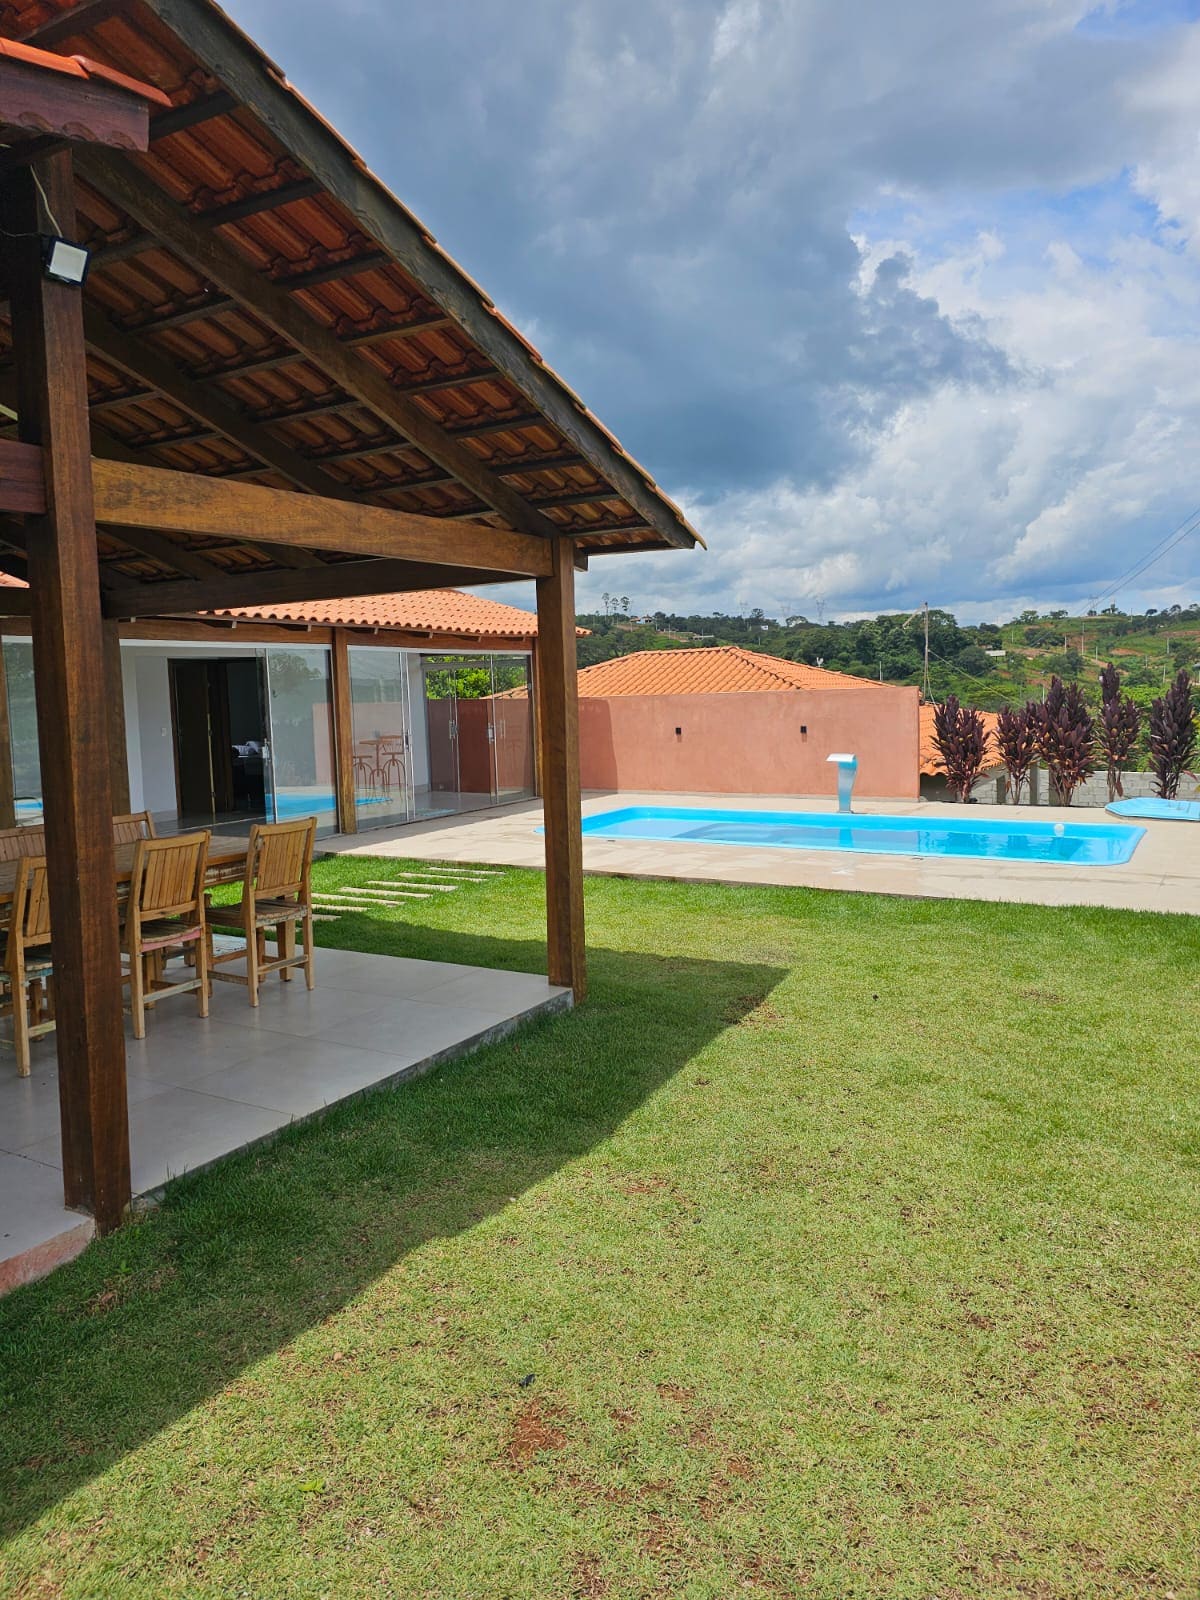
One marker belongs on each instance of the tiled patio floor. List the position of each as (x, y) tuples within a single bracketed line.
[(201, 1089), (1163, 874)]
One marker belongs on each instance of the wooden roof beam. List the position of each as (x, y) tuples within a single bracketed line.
[(123, 184), (130, 496), (342, 580)]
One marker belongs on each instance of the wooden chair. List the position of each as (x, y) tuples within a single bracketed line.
[(165, 913), (18, 842), (391, 765), (364, 774), (25, 980), (134, 826), (276, 893)]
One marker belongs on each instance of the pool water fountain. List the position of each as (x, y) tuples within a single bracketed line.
[(847, 766)]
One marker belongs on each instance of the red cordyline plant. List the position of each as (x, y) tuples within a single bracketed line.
[(1016, 739), (1118, 730), (1172, 735), (1066, 738), (961, 740)]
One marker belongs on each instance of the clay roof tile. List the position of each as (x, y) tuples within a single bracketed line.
[(722, 669)]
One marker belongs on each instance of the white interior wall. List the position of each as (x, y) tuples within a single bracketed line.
[(153, 774), (133, 735)]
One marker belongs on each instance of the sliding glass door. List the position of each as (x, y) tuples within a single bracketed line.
[(476, 714), (299, 769), (512, 727), (382, 744)]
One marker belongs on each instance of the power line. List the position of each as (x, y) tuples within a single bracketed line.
[(1165, 545)]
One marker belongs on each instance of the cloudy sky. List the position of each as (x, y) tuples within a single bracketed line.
[(899, 301)]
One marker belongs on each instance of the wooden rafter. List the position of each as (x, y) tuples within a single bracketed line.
[(121, 182), (139, 360), (190, 562), (65, 25), (191, 115), (239, 67)]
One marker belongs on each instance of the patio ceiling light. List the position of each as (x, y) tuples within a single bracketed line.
[(64, 261)]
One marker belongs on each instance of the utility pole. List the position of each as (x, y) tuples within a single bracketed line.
[(925, 691)]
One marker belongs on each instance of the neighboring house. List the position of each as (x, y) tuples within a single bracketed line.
[(933, 774), (734, 721), (232, 717)]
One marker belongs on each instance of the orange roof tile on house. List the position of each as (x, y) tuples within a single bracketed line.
[(422, 611), (418, 611), (929, 760), (721, 669)]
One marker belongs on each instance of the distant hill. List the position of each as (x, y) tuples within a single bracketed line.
[(986, 664)]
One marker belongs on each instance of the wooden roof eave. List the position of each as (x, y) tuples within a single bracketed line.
[(237, 63)]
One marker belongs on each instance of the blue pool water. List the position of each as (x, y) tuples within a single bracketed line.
[(993, 839)]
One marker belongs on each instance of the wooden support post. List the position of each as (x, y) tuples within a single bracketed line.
[(8, 801), (343, 735), (558, 752), (114, 691), (68, 659)]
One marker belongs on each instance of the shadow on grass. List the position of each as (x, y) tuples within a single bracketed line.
[(243, 1258)]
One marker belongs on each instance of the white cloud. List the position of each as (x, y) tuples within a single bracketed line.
[(901, 300)]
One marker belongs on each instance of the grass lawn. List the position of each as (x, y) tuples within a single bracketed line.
[(840, 1246)]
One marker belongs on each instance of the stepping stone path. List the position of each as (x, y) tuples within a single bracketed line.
[(412, 883)]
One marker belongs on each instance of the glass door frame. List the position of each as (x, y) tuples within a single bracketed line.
[(365, 800)]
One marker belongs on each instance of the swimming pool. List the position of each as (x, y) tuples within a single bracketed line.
[(1103, 844)]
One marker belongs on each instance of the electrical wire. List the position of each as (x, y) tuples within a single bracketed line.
[(1182, 531)]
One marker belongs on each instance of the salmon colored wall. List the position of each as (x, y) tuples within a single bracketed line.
[(752, 743)]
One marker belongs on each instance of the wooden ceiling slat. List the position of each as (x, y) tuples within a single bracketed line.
[(191, 115), (250, 205), (121, 182), (140, 361), (189, 562)]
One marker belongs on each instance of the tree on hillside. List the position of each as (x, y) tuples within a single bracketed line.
[(974, 661), (1016, 742), (961, 741), (1117, 734), (1066, 738), (1172, 735)]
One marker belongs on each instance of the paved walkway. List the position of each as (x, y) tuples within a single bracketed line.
[(1163, 874)]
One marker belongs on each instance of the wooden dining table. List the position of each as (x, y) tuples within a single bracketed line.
[(226, 864)]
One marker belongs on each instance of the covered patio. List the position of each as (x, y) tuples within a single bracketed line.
[(273, 387), (198, 1091)]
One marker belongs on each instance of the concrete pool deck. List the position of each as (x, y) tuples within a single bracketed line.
[(1163, 874)]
